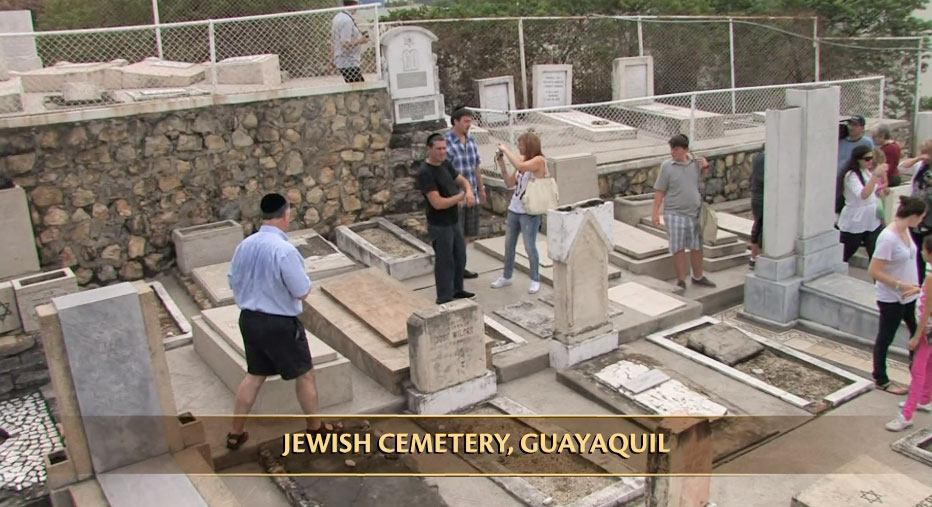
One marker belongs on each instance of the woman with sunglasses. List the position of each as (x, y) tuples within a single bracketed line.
[(858, 221)]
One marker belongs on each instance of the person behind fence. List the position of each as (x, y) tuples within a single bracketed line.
[(893, 268), (883, 139), (858, 219), (920, 345), (444, 189), (531, 164), (677, 189), (921, 188), (347, 43), (268, 281), (463, 153), (757, 206), (851, 136)]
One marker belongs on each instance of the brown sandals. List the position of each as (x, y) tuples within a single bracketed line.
[(235, 441)]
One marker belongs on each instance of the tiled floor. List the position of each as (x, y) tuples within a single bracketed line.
[(821, 347), (32, 436)]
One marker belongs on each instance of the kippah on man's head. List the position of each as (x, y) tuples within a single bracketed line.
[(272, 203)]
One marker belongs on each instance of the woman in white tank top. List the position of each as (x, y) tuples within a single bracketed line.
[(529, 165)]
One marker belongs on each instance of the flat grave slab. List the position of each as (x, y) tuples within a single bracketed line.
[(643, 299), (668, 119), (778, 370), (175, 326), (155, 73), (153, 482), (592, 128), (496, 248), (694, 387), (536, 316), (206, 244), (382, 244), (735, 224), (250, 70), (865, 482), (722, 238), (637, 243), (917, 446), (551, 133), (219, 342), (341, 328), (321, 260), (383, 307), (51, 79)]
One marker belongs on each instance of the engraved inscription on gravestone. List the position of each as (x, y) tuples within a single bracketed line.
[(445, 345), (554, 88)]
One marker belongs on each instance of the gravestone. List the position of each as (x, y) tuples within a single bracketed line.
[(497, 93), (643, 299), (35, 290), (632, 77), (724, 343), (411, 67), (576, 175), (19, 52), (108, 353), (250, 70), (9, 312), (590, 127), (388, 247), (18, 250), (865, 482), (203, 245), (579, 239), (800, 241), (630, 209), (553, 85), (448, 359), (80, 92), (156, 73), (52, 79)]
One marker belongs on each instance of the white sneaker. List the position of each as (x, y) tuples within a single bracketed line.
[(925, 408), (534, 288), (501, 282), (899, 424)]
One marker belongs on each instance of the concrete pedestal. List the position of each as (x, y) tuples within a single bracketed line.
[(453, 398), (564, 355)]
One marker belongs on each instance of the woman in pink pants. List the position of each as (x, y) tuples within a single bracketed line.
[(920, 387)]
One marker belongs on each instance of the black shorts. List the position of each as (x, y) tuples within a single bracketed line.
[(352, 74), (469, 221), (275, 345), (757, 231)]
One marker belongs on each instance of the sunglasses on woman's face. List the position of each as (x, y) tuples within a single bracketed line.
[(868, 159)]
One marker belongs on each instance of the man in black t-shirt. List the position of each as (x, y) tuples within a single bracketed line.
[(443, 189)]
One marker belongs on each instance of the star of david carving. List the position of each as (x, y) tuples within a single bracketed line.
[(871, 497), (5, 310)]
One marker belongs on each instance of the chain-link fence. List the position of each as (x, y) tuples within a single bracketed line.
[(709, 117), (302, 41)]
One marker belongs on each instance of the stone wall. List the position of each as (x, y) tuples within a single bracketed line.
[(22, 365), (106, 194)]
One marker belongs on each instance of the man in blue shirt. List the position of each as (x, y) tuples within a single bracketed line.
[(268, 281), (463, 153), (856, 125)]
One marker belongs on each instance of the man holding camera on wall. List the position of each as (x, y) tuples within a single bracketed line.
[(347, 44)]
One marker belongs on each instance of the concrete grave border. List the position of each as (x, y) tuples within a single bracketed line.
[(187, 332), (504, 333), (401, 268), (910, 446), (619, 493), (857, 386)]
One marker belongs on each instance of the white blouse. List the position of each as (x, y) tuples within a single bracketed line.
[(858, 215)]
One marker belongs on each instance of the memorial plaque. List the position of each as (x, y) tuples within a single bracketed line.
[(409, 57), (632, 77), (553, 85), (446, 346)]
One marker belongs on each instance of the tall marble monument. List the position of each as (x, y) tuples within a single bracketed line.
[(411, 66)]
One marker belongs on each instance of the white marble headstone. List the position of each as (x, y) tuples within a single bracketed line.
[(553, 85), (20, 52), (632, 77), (497, 93), (410, 62)]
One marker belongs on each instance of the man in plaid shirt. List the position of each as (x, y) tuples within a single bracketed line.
[(463, 153)]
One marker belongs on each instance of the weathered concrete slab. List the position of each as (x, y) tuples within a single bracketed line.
[(666, 397), (917, 446), (643, 299), (9, 312), (395, 303), (32, 291), (722, 238), (398, 253), (207, 244), (536, 316), (865, 482), (18, 250), (735, 224), (724, 343), (155, 73), (637, 243), (152, 482)]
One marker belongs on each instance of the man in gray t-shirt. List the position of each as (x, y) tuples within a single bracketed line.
[(347, 43), (677, 189)]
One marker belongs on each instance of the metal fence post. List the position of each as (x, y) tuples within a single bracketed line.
[(731, 52), (213, 54), (523, 62), (918, 91), (692, 118), (816, 49), (883, 89), (378, 45), (158, 31), (640, 37)]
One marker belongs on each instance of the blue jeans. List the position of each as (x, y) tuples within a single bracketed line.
[(527, 226)]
